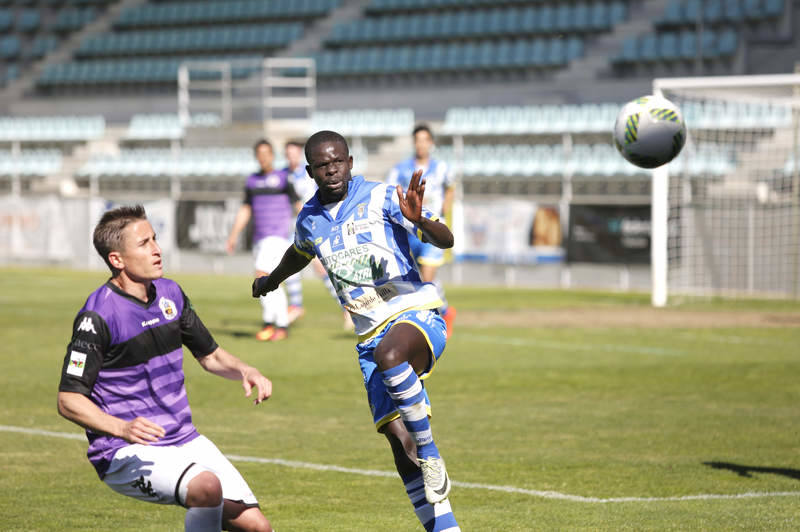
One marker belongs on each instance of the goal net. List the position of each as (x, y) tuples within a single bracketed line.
[(726, 218)]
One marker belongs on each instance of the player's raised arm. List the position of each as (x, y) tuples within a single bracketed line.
[(291, 263), (434, 232)]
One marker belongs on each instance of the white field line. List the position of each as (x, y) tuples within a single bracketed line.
[(570, 346), (469, 485)]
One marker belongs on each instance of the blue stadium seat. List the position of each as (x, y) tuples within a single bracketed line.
[(752, 9), (28, 20), (618, 12), (713, 11), (733, 11), (582, 17), (9, 47), (6, 19), (693, 10), (648, 47), (687, 46), (727, 42), (773, 8), (668, 46), (708, 44), (673, 14), (601, 16), (629, 52)]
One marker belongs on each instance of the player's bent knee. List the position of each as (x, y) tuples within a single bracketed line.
[(202, 490), (236, 517), (389, 357)]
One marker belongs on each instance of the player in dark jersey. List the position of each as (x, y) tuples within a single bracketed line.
[(123, 381), (271, 201)]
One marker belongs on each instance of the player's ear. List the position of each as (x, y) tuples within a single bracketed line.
[(309, 172), (350, 161), (115, 258)]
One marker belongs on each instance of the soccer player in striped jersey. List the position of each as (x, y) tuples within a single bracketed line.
[(305, 188), (122, 380), (439, 194), (360, 232)]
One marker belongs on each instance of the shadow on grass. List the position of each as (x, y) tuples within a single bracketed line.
[(746, 471)]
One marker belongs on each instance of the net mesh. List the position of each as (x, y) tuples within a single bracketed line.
[(733, 225)]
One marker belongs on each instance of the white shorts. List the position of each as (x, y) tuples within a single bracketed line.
[(160, 474), (268, 253)]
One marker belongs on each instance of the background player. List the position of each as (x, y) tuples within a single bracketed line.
[(122, 380), (270, 199), (439, 193), (359, 230)]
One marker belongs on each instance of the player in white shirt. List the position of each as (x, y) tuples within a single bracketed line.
[(439, 194), (360, 231)]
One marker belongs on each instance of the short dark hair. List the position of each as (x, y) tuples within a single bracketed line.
[(323, 136), (108, 232), (422, 127), (262, 142)]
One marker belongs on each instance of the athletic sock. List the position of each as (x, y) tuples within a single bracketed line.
[(294, 287), (406, 391), (434, 517), (204, 519), (329, 285)]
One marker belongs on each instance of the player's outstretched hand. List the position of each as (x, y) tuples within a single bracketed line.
[(142, 430), (261, 286), (251, 377), (411, 202)]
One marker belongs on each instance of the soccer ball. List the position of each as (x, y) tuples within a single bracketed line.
[(649, 131)]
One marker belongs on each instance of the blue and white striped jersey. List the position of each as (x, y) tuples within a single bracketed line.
[(437, 177), (362, 241)]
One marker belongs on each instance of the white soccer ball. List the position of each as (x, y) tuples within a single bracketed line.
[(649, 131)]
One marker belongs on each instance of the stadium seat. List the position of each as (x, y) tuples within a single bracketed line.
[(668, 46), (733, 11), (629, 52), (28, 20), (687, 45), (648, 47), (773, 8), (727, 42), (673, 14), (712, 11)]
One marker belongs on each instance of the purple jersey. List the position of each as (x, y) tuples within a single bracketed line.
[(271, 197), (126, 357)]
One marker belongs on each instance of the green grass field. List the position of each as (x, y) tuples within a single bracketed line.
[(591, 410)]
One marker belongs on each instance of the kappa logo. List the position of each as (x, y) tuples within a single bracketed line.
[(145, 486), (168, 308), (77, 361), (87, 325)]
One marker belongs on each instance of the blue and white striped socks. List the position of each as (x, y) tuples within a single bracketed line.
[(294, 287), (406, 391), (434, 517)]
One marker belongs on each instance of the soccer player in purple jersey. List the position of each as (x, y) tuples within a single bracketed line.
[(271, 201), (122, 380)]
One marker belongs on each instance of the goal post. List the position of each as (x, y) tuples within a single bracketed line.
[(725, 212)]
